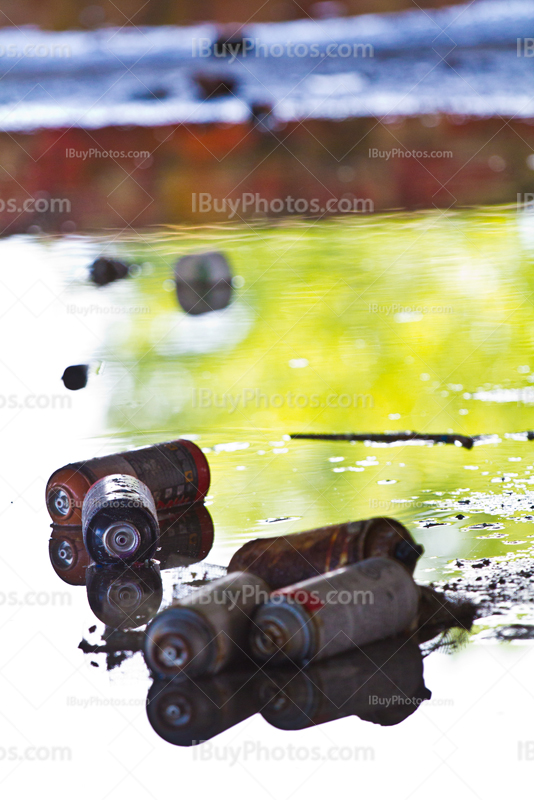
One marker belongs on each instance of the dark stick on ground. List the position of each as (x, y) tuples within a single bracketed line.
[(400, 436)]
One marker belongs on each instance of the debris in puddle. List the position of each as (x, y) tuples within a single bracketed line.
[(391, 438), (496, 585), (107, 270), (211, 86), (510, 633), (115, 643), (203, 282), (207, 630), (410, 436), (232, 40), (431, 523), (439, 613), (301, 623), (494, 526), (119, 520), (75, 377), (176, 473), (285, 560)]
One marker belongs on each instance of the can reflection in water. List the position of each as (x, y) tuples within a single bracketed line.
[(68, 554), (186, 712), (186, 537), (284, 560), (124, 597), (381, 683), (203, 282), (176, 473)]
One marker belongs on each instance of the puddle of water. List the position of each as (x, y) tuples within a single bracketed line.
[(310, 343)]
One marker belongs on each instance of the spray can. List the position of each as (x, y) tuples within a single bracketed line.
[(207, 630), (285, 560), (68, 554), (187, 712), (124, 598), (119, 521), (176, 473), (382, 683), (186, 537), (330, 614)]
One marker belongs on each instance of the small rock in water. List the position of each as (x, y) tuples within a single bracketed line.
[(75, 377), (107, 270)]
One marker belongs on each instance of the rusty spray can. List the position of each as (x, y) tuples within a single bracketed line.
[(119, 521), (330, 614), (176, 473), (207, 630), (285, 560), (187, 712)]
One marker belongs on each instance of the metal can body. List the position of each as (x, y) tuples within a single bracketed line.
[(119, 521), (186, 537), (203, 282), (349, 607), (207, 630), (176, 473), (187, 712), (382, 683), (285, 560)]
